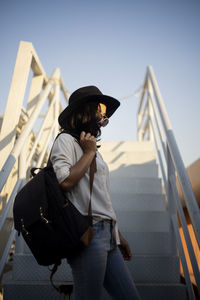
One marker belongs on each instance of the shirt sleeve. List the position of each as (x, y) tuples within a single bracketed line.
[(62, 156)]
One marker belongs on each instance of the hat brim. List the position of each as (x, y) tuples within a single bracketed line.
[(111, 105)]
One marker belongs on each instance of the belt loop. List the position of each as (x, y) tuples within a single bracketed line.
[(103, 225), (111, 225)]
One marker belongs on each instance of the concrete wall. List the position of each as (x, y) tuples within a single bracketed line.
[(194, 175)]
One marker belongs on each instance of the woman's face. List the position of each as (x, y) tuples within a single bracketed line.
[(101, 115)]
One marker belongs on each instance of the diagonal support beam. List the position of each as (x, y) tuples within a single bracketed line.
[(15, 100)]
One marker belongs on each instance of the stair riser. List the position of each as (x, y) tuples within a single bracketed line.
[(138, 221), (138, 202), (143, 269), (148, 243), (158, 269), (26, 268), (132, 171), (140, 243), (22, 291), (129, 158), (126, 146), (126, 185), (167, 292)]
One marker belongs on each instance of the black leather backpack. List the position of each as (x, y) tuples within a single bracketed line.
[(50, 224)]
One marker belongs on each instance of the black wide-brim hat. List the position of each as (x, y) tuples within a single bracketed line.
[(88, 94)]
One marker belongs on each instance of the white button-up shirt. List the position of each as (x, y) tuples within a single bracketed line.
[(66, 152)]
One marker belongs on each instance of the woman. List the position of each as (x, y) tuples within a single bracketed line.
[(101, 264)]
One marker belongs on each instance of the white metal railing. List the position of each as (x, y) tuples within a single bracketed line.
[(154, 124), (19, 145)]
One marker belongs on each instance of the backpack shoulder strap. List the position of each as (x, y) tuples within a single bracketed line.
[(93, 168)]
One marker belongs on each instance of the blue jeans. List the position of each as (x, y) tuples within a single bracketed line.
[(101, 265)]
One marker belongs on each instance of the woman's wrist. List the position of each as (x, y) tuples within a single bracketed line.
[(89, 153)]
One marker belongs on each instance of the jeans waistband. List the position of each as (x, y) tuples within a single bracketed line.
[(104, 222)]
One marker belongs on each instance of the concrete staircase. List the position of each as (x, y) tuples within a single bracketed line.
[(143, 219)]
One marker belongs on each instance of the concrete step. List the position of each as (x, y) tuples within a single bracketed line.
[(140, 243), (155, 268), (149, 243), (43, 290), (126, 146), (158, 292), (129, 158), (136, 185), (133, 170), (139, 221), (31, 290), (26, 268), (146, 232), (162, 291), (138, 202), (20, 246), (144, 268), (22, 290)]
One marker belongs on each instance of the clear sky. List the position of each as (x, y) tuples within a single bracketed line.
[(109, 43)]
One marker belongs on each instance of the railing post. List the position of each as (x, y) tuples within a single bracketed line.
[(140, 114), (56, 107), (150, 110), (181, 254), (139, 120), (35, 89), (171, 204), (47, 139), (22, 167), (188, 194), (186, 233)]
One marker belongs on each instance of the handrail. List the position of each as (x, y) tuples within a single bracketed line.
[(26, 131), (178, 162), (21, 143), (39, 135), (9, 203), (158, 128)]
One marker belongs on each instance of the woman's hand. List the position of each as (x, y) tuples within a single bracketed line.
[(125, 248), (88, 142)]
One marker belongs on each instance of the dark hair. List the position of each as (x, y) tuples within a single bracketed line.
[(83, 119)]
